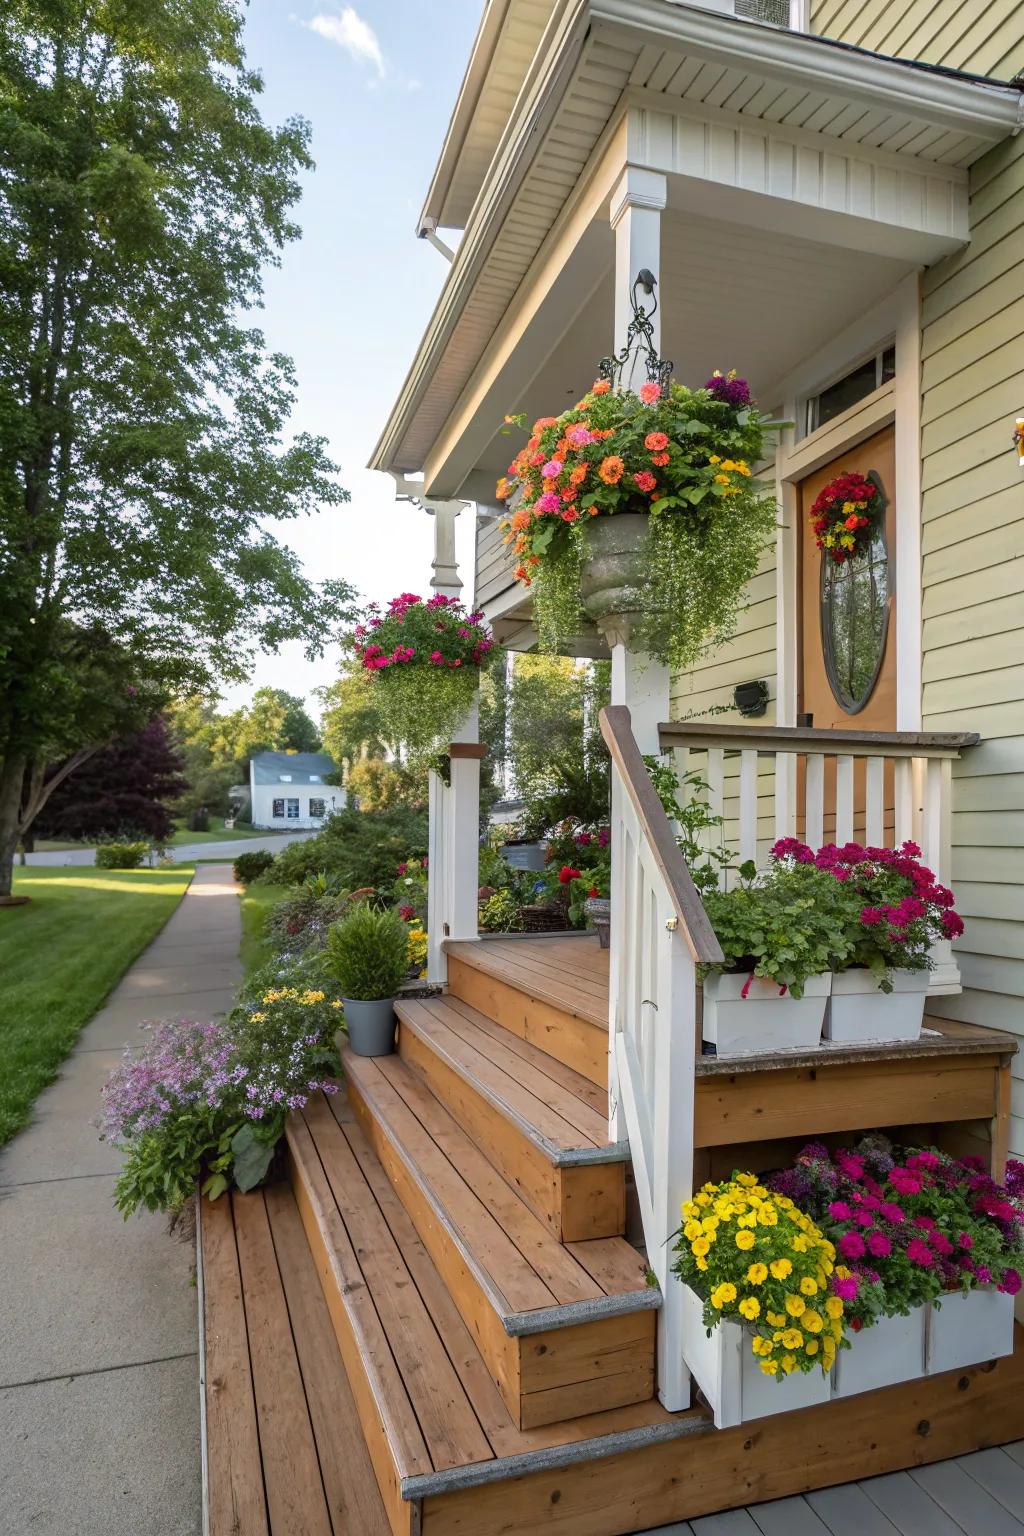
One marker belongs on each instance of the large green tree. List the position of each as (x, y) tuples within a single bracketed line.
[(143, 444)]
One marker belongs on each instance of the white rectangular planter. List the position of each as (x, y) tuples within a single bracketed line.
[(969, 1330), (858, 1010), (892, 1350), (762, 1021), (730, 1376)]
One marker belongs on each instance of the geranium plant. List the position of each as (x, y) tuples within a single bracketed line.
[(908, 1225), (754, 1256), (785, 924), (846, 515), (894, 909), (682, 455), (578, 867), (424, 658)]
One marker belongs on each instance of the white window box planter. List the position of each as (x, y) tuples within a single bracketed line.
[(969, 1330), (892, 1350), (858, 1010), (763, 1020), (729, 1373)]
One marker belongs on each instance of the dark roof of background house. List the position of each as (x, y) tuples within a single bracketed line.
[(267, 767)]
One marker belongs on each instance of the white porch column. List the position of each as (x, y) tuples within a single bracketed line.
[(638, 681), (636, 208)]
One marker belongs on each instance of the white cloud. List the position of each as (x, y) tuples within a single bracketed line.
[(352, 33)]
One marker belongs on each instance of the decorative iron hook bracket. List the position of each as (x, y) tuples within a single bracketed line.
[(639, 339)]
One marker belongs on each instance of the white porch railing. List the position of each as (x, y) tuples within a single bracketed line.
[(659, 933), (454, 849), (878, 787)]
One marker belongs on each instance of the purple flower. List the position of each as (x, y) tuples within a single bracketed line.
[(729, 391)]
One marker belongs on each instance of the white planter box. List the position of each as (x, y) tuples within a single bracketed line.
[(859, 1010), (729, 1373), (892, 1350), (969, 1330), (762, 1021)]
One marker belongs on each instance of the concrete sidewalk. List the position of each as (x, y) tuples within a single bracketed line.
[(99, 1379), (228, 850)]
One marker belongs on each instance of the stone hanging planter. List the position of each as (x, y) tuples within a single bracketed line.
[(858, 1010), (763, 1020), (611, 576)]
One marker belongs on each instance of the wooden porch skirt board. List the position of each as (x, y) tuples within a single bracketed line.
[(793, 1453)]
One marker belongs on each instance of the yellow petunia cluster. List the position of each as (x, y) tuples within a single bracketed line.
[(754, 1256)]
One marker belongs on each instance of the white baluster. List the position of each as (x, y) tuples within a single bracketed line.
[(716, 796), (785, 794), (844, 799), (748, 805), (464, 832), (815, 790), (904, 774), (874, 802)]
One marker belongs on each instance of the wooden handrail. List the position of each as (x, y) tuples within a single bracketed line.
[(800, 738), (617, 730)]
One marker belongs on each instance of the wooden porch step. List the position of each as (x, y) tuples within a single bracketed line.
[(551, 992), (433, 1419), (565, 1328), (284, 1451), (542, 1125)]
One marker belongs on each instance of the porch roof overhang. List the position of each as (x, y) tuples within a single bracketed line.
[(750, 122)]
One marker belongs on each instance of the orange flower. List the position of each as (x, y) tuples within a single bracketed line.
[(578, 475), (521, 519), (501, 490), (543, 423), (656, 441), (607, 432), (533, 444), (601, 387), (549, 485), (661, 459), (611, 469), (570, 514)]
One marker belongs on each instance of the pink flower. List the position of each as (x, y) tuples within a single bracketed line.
[(965, 1240), (851, 1245), (919, 1253), (851, 1166), (552, 469), (650, 392), (879, 1245), (905, 1183), (893, 1213), (845, 1289), (580, 435), (840, 1211), (864, 1218), (1011, 1282), (549, 502)]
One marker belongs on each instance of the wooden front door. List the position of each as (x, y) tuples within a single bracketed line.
[(848, 626)]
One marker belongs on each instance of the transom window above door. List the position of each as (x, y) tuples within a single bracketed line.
[(851, 387)]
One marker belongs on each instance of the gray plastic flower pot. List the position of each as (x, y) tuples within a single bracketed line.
[(371, 1025)]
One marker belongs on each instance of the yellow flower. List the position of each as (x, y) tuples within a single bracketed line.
[(748, 1180), (692, 1230), (799, 1243), (793, 1338), (757, 1274), (258, 1018), (700, 1246), (703, 1199), (745, 1239), (795, 1305), (722, 1294), (770, 1367), (701, 1263), (690, 1209), (834, 1307), (789, 1364), (812, 1321), (781, 1268), (336, 1003), (750, 1308), (808, 1287), (777, 1319), (748, 1220), (837, 1328), (710, 1225), (811, 1347), (768, 1216)]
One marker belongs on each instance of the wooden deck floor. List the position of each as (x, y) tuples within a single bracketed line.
[(977, 1495)]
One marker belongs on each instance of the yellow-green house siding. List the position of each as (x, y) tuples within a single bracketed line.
[(985, 37), (973, 573)]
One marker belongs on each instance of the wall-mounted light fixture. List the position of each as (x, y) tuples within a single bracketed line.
[(751, 699)]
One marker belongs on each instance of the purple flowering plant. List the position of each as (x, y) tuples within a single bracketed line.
[(908, 1225), (207, 1101)]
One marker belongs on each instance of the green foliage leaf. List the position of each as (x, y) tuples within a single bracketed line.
[(251, 1158)]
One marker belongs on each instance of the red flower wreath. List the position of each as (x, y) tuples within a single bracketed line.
[(845, 515)]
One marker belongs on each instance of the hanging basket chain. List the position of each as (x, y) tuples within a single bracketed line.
[(639, 339)]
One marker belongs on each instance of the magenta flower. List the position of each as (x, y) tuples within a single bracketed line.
[(919, 1253), (1010, 1282), (851, 1245), (845, 1287), (552, 469), (840, 1211), (879, 1245)]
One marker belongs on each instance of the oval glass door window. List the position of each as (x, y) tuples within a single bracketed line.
[(854, 622)]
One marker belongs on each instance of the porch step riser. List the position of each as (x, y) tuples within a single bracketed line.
[(573, 1041), (544, 1378), (577, 1201)]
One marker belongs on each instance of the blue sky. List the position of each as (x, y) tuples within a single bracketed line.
[(377, 81)]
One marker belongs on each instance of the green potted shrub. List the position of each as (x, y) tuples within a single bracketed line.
[(368, 957), (782, 933)]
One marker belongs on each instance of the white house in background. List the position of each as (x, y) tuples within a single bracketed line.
[(290, 789)]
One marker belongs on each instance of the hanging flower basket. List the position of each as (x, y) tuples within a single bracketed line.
[(424, 660), (846, 515), (672, 467)]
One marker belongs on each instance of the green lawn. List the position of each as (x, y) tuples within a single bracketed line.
[(216, 834), (257, 901), (59, 958)]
